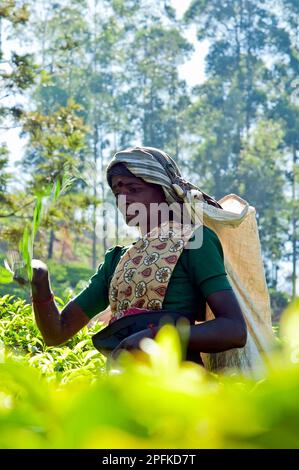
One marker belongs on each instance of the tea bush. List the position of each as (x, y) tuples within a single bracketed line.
[(23, 341)]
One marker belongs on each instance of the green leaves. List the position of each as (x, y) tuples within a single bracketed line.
[(37, 214), (56, 190), (61, 397), (51, 193), (26, 250), (290, 331), (5, 276), (20, 335), (63, 185), (59, 188)]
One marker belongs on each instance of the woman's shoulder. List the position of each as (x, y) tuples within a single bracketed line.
[(114, 251), (206, 233), (203, 243), (112, 257), (204, 259)]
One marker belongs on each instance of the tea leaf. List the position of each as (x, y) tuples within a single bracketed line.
[(8, 267), (37, 216), (56, 190), (26, 250)]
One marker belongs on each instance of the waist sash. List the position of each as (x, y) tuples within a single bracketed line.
[(133, 321)]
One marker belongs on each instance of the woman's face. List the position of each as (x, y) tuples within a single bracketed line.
[(136, 190)]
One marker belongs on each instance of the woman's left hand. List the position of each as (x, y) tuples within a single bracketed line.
[(132, 342)]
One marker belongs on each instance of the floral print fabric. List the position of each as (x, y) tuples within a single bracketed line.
[(141, 277)]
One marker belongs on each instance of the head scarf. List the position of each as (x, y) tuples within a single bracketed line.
[(119, 169), (157, 167)]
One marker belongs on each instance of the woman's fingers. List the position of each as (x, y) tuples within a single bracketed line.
[(116, 352), (39, 268), (20, 279), (20, 273)]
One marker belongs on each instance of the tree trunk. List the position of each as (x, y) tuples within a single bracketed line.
[(116, 210), (51, 244), (103, 202), (94, 206)]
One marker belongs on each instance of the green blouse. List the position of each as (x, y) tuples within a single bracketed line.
[(198, 273)]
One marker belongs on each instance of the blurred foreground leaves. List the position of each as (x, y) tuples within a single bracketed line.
[(150, 400)]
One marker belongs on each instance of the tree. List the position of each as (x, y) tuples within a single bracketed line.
[(17, 74), (285, 108), (55, 141), (261, 181), (240, 143), (240, 33)]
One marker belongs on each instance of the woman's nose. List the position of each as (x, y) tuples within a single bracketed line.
[(125, 194), (124, 201)]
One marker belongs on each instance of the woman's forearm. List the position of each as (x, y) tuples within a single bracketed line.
[(47, 315), (217, 335), (210, 336), (56, 327)]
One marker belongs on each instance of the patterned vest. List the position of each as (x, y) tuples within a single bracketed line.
[(141, 277)]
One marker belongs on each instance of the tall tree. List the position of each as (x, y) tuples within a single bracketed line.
[(17, 74), (56, 127), (240, 33), (261, 180), (55, 141), (284, 107), (238, 147), (155, 47)]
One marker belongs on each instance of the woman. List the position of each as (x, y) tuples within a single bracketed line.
[(157, 273)]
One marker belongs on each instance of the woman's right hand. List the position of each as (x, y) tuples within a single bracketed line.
[(40, 272), (40, 284)]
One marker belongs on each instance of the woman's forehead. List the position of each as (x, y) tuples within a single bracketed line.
[(122, 180)]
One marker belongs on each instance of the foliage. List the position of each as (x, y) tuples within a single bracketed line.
[(67, 280), (244, 116), (279, 302), (109, 76), (26, 244), (150, 400), (23, 342), (17, 74)]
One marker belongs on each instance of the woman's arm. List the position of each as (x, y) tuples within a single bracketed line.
[(228, 330), (56, 327)]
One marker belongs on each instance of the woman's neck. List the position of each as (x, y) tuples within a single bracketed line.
[(149, 226)]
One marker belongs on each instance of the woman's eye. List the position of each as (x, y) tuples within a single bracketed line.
[(131, 190)]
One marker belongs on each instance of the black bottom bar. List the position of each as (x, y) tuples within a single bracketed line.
[(137, 458)]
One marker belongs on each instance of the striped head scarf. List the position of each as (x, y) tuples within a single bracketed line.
[(157, 167)]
